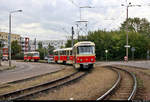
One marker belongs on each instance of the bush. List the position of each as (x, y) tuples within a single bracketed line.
[(19, 56)]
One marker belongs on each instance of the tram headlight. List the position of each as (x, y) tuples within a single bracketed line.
[(81, 60), (92, 59)]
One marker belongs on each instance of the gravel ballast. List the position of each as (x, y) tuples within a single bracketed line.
[(90, 87), (52, 76), (143, 77)]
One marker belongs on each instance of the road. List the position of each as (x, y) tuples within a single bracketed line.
[(141, 64), (26, 70)]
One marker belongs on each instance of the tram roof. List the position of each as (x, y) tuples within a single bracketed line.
[(31, 52), (84, 43), (63, 49)]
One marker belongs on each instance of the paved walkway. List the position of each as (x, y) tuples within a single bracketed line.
[(27, 69), (141, 64)]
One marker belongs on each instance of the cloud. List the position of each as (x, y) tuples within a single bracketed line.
[(45, 19)]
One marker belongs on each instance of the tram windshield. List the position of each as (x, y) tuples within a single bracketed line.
[(85, 50), (36, 54)]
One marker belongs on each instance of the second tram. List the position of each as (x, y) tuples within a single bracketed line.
[(29, 56), (82, 55)]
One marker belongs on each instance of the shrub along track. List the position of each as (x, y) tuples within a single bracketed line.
[(35, 90), (124, 88)]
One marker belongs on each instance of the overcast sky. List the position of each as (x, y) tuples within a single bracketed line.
[(52, 19)]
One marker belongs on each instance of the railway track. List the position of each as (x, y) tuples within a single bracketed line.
[(124, 88), (8, 84), (38, 89)]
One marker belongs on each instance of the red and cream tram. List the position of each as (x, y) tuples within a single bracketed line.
[(82, 55), (29, 56), (63, 56)]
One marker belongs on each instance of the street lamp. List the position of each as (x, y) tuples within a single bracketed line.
[(9, 36), (127, 6), (106, 51)]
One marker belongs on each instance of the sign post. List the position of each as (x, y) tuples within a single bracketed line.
[(147, 54), (126, 57)]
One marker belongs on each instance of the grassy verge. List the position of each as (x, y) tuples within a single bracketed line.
[(19, 60), (2, 68), (42, 61)]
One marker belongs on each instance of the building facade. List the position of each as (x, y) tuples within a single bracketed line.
[(56, 43), (24, 42), (4, 37)]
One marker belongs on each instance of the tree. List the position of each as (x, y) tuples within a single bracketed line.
[(69, 42), (41, 50), (114, 42), (141, 26), (16, 48), (40, 45), (50, 48), (1, 46)]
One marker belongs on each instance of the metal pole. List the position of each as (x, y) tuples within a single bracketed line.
[(80, 13), (106, 57), (35, 44), (9, 40), (127, 35), (78, 31), (72, 36)]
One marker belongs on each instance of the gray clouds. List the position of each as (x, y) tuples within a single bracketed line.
[(47, 18)]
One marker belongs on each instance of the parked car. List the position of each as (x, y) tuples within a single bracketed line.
[(46, 58), (50, 59), (5, 58)]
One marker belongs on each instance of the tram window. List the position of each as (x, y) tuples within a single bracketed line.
[(64, 53), (70, 52), (61, 53), (67, 52), (85, 50), (56, 53)]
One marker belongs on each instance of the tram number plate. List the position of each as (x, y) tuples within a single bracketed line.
[(85, 64)]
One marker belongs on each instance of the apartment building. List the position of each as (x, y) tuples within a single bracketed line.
[(24, 42), (56, 43), (4, 37)]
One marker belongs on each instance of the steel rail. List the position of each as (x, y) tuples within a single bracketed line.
[(6, 95), (133, 92), (50, 88), (135, 83), (112, 88)]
